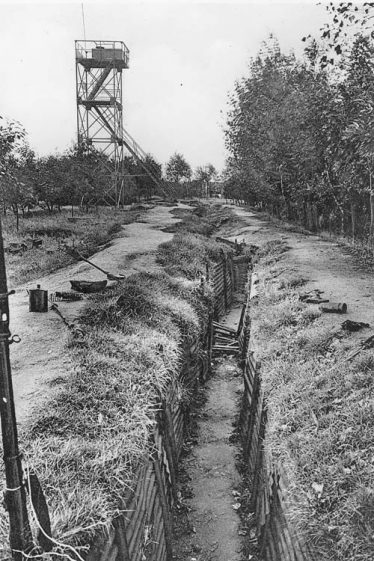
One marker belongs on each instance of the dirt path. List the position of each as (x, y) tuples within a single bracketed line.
[(41, 356), (324, 263), (210, 530)]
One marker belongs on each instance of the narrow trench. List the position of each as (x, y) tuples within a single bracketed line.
[(207, 521)]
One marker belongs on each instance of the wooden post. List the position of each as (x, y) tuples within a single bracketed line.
[(224, 265), (165, 509), (15, 494), (170, 448), (170, 428), (121, 540)]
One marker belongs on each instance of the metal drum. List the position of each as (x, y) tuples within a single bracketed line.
[(38, 300)]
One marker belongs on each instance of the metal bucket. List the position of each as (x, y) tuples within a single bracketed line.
[(38, 300)]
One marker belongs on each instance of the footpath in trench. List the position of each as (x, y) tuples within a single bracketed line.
[(208, 527)]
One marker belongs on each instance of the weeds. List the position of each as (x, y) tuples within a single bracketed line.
[(85, 232)]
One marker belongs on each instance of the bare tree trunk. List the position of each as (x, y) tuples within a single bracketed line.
[(315, 217), (283, 195), (340, 207), (353, 220), (371, 210), (342, 221), (16, 214), (309, 215)]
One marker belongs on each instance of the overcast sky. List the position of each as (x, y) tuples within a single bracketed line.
[(184, 59)]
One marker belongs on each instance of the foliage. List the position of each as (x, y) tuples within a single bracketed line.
[(81, 175), (144, 184), (11, 136), (178, 168), (17, 166), (347, 20), (300, 138), (206, 173)]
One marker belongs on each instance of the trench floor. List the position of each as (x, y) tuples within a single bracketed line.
[(207, 523)]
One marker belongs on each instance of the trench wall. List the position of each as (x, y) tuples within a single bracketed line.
[(144, 532), (270, 496)]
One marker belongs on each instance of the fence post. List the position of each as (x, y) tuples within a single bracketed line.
[(224, 266), (121, 540), (170, 447)]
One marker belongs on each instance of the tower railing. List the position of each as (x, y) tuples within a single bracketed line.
[(102, 52)]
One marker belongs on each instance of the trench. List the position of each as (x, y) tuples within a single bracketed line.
[(227, 504), (190, 501), (207, 525), (209, 466)]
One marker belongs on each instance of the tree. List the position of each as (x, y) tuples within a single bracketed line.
[(17, 166), (359, 107), (11, 136), (206, 173), (347, 21), (282, 132), (177, 169), (89, 174), (146, 186)]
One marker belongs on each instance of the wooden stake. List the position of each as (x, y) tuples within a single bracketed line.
[(165, 509)]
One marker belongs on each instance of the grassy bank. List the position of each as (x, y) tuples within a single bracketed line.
[(320, 414), (87, 442), (56, 232), (193, 248)]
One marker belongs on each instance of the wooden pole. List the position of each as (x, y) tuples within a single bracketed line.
[(15, 495), (166, 515), (121, 540)]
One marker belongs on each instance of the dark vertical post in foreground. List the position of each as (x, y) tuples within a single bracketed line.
[(15, 497)]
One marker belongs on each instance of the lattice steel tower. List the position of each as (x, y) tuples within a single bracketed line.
[(99, 66)]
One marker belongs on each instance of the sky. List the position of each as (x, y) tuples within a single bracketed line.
[(184, 60)]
